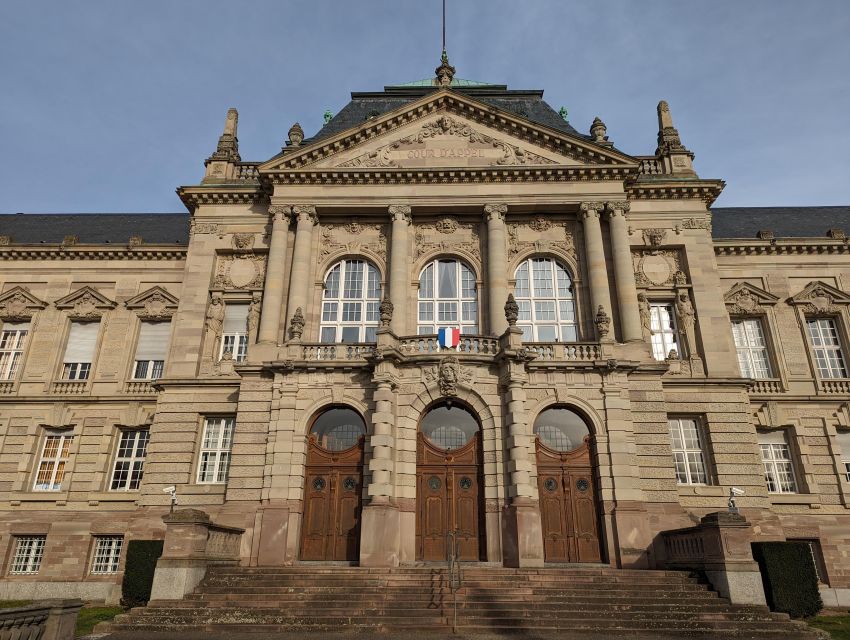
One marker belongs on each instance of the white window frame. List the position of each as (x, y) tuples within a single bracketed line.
[(753, 358), (106, 554), (214, 457), (134, 442), (845, 452), (530, 301), (12, 345), (29, 552), (664, 338), (827, 350), (236, 343), (778, 462), (339, 299), (689, 457), (464, 303), (76, 370), (54, 465)]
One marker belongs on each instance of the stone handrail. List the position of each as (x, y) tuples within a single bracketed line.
[(47, 620), (469, 344), (139, 387), (344, 352), (765, 386), (247, 171), (835, 386), (651, 166), (565, 351), (69, 387)]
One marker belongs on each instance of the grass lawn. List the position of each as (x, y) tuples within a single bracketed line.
[(90, 616), (837, 626)]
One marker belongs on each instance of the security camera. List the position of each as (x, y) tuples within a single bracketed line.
[(171, 489), (735, 491)]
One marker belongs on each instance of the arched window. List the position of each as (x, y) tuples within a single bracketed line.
[(338, 428), (447, 297), (544, 293), (350, 303), (449, 427), (561, 429)]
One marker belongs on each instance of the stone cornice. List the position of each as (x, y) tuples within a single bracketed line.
[(221, 194), (92, 252), (666, 189), (789, 246)]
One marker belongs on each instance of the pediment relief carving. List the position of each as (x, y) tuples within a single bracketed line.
[(85, 304), (19, 304), (449, 236), (357, 238), (155, 304), (745, 299), (820, 298), (541, 235)]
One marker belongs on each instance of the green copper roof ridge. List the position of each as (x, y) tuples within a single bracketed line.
[(456, 82)]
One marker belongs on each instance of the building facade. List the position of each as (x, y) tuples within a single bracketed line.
[(614, 355)]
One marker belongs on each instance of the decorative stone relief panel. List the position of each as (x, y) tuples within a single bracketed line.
[(155, 304), (558, 237), (657, 268), (447, 235), (85, 304), (449, 374), (240, 271), (19, 304), (745, 299), (819, 298), (353, 238)]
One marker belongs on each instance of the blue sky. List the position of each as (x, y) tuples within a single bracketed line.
[(108, 105)]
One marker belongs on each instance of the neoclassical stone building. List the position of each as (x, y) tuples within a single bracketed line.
[(626, 353)]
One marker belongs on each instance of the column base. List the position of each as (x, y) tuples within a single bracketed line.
[(380, 535), (522, 534)]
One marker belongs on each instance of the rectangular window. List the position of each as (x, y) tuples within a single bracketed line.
[(663, 330), (844, 444), (776, 458), (753, 359), (234, 337), (79, 352), (130, 460), (29, 550), (151, 350), (107, 554), (53, 462), (12, 341), (215, 450), (826, 347), (688, 453)]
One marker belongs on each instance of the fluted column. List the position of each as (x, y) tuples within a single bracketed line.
[(299, 278), (275, 267), (600, 295), (399, 266), (497, 267), (624, 275)]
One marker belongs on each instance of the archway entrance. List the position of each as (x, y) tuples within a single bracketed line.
[(568, 506), (449, 485), (333, 487)]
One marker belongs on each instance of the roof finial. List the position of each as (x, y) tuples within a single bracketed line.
[(228, 143), (445, 72), (677, 158)]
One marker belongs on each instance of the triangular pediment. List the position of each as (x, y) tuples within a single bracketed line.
[(154, 304), (819, 297), (447, 130), (747, 299), (18, 303), (86, 303)]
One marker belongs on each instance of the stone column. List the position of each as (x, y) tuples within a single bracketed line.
[(600, 295), (497, 267), (275, 267), (299, 277), (399, 276), (624, 275)]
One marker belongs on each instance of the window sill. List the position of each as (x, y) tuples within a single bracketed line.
[(795, 498), (113, 496), (40, 496), (701, 490), (215, 489)]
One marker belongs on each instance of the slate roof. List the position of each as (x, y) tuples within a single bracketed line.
[(528, 104), (96, 228), (785, 222)]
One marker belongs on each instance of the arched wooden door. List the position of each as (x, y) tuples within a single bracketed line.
[(332, 502), (449, 496), (567, 504)]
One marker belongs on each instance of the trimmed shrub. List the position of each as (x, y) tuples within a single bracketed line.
[(789, 577), (138, 571)]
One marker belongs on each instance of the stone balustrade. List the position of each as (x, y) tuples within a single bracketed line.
[(565, 351), (719, 547), (139, 387), (766, 386), (46, 620), (339, 352), (69, 387), (469, 344), (651, 166), (835, 386), (247, 172)]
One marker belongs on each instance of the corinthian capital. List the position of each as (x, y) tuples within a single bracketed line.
[(618, 208), (591, 209), (495, 211), (280, 212), (305, 213), (400, 213)]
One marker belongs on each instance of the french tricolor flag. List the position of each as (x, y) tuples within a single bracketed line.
[(448, 337)]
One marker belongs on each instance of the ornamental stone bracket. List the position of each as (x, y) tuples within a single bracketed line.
[(155, 304), (820, 298), (19, 304), (745, 299), (85, 304), (448, 375)]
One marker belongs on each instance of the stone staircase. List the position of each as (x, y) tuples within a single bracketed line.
[(583, 601)]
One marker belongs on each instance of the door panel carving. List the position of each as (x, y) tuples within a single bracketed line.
[(567, 504), (449, 498), (332, 502)]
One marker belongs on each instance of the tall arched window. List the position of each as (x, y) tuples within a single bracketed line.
[(350, 303), (447, 297), (544, 293), (561, 428), (338, 428), (449, 426)]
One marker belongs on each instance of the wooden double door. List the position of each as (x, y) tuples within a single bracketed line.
[(568, 506), (449, 498), (332, 503)]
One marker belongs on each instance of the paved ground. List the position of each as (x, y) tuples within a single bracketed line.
[(407, 635)]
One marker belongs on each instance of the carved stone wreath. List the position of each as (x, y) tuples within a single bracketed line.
[(657, 268), (241, 271)]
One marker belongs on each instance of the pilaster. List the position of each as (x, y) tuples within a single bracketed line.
[(299, 278), (497, 266), (275, 268), (600, 294), (630, 326), (399, 275)]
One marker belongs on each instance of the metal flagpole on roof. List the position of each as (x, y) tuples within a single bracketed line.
[(444, 25)]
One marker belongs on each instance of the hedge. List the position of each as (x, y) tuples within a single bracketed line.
[(789, 577), (138, 571)]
